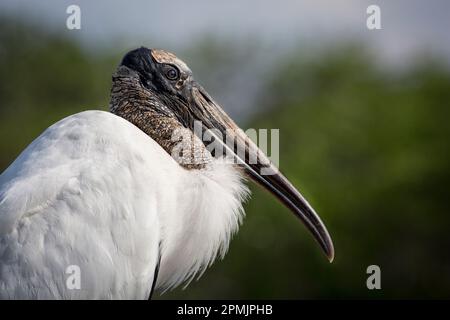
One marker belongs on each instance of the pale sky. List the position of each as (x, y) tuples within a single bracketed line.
[(409, 28)]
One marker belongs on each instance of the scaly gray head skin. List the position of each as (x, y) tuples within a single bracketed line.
[(156, 91)]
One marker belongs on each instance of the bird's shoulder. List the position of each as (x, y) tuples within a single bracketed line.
[(92, 151), (83, 193)]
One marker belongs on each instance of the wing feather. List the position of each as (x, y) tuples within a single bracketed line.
[(83, 194)]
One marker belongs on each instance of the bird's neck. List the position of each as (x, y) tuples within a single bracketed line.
[(143, 109)]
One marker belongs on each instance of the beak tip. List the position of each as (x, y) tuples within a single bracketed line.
[(326, 243), (330, 256), (329, 251), (329, 248)]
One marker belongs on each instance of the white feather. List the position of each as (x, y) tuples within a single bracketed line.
[(94, 191)]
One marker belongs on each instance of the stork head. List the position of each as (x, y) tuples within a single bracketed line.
[(165, 89)]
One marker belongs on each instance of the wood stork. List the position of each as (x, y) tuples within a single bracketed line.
[(103, 191)]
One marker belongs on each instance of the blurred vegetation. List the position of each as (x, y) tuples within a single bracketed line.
[(368, 147)]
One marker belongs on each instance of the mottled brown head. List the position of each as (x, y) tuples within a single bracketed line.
[(156, 91), (164, 85)]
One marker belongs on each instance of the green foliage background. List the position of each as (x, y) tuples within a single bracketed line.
[(368, 147)]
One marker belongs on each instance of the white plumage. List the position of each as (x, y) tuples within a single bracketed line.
[(95, 191)]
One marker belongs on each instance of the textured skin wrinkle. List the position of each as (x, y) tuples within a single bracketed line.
[(146, 110), (163, 108), (185, 97)]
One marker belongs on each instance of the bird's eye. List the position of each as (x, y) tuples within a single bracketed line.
[(172, 73)]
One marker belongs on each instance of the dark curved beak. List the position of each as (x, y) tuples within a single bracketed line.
[(281, 188), (257, 165)]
